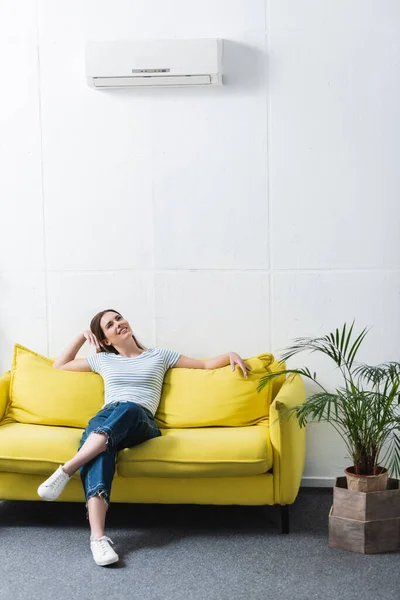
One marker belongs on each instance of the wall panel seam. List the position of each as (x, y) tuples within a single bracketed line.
[(268, 187), (39, 90)]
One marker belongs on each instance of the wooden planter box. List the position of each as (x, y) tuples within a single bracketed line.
[(365, 522)]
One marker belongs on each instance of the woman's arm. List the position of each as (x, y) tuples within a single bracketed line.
[(223, 360), (67, 361)]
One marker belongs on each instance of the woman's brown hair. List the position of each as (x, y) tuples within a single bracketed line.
[(96, 329)]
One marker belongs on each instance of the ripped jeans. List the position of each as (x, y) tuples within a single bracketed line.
[(126, 424)]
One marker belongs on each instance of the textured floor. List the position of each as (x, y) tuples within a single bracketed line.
[(186, 553)]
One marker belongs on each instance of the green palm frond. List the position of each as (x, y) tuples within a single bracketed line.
[(391, 457), (364, 410), (318, 407), (355, 347), (310, 344), (304, 371), (380, 373), (338, 345)]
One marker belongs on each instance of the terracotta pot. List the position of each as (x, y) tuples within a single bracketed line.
[(366, 483)]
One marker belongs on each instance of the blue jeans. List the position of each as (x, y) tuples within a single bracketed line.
[(125, 424)]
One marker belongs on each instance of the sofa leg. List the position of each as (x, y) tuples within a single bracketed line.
[(285, 518)]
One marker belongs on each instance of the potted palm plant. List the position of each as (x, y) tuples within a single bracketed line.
[(364, 410)]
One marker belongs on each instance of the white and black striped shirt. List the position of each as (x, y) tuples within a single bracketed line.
[(138, 379)]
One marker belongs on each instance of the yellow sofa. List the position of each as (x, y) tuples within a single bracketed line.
[(222, 439)]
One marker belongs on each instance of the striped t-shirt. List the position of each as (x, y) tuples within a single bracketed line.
[(138, 379)]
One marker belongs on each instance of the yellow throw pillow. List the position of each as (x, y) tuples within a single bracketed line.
[(215, 397), (43, 395)]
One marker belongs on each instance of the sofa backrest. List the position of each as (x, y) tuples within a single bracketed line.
[(40, 394), (279, 381), (218, 397), (4, 392)]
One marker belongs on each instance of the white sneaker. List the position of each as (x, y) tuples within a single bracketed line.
[(102, 552), (54, 485)]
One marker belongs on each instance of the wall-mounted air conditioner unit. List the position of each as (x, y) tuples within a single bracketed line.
[(151, 63)]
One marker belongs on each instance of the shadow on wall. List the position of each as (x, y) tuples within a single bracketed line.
[(243, 65)]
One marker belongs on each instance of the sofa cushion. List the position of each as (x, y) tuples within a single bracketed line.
[(43, 395), (36, 449), (210, 452), (217, 397), (203, 452)]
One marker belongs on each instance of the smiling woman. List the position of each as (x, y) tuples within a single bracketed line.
[(133, 377), (108, 326)]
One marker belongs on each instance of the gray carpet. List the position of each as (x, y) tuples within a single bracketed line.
[(186, 553)]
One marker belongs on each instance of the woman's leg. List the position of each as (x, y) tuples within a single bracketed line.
[(90, 446), (110, 427), (104, 432), (93, 441), (94, 445), (113, 419), (97, 476), (97, 510)]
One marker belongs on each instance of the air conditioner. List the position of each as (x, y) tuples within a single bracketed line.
[(148, 63)]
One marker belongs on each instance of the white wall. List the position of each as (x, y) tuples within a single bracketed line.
[(214, 219)]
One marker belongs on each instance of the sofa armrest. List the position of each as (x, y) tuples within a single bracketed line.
[(4, 392), (288, 440)]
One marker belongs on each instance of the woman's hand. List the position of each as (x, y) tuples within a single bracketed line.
[(236, 360), (92, 339)]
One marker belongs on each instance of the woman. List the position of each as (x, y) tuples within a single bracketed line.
[(133, 377)]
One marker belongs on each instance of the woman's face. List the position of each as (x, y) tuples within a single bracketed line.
[(115, 328)]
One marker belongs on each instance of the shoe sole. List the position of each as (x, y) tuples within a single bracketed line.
[(45, 498), (109, 562)]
